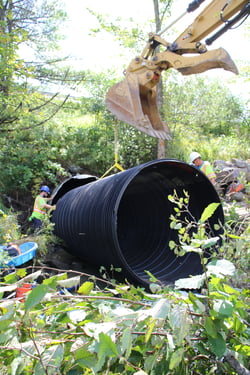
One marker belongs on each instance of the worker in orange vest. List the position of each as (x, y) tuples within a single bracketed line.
[(41, 206)]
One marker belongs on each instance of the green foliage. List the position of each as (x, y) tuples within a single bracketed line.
[(30, 158), (237, 243), (128, 35), (203, 105), (211, 147), (10, 231), (9, 227), (224, 314), (4, 257), (121, 329), (213, 120), (192, 234), (34, 25)]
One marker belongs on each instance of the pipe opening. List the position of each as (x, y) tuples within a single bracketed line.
[(124, 220)]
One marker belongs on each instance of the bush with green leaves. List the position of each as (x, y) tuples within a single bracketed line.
[(123, 329), (237, 242)]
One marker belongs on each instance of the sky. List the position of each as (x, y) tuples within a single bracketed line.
[(101, 52)]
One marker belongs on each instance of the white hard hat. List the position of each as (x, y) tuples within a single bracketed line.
[(194, 155)]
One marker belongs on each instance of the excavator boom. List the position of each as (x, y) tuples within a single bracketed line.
[(134, 101)]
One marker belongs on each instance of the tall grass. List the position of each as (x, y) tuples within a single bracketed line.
[(210, 147)]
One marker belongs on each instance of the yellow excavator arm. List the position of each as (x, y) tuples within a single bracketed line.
[(133, 100)]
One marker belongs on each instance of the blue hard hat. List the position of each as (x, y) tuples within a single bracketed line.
[(45, 188)]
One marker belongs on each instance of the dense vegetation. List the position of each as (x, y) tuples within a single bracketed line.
[(45, 137)]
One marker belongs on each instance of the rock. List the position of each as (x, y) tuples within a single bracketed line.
[(238, 197), (237, 171), (58, 257), (248, 176), (226, 175), (227, 172), (221, 164), (74, 169), (239, 163)]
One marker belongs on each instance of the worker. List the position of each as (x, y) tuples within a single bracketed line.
[(41, 206), (13, 249), (204, 166)]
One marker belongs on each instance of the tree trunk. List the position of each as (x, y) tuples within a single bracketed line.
[(158, 26), (161, 149)]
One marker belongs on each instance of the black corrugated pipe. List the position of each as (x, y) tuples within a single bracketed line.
[(124, 219)]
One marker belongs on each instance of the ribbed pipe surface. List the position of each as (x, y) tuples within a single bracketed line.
[(123, 220)]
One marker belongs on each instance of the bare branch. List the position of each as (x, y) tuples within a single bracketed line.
[(58, 107), (43, 104), (47, 119)]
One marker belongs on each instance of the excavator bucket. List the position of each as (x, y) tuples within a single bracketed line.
[(133, 100), (135, 104)]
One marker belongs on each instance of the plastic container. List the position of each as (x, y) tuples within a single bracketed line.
[(23, 290)]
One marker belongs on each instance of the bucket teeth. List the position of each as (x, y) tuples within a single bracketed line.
[(135, 105)]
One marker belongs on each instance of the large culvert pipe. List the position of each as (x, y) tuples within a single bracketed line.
[(123, 220)]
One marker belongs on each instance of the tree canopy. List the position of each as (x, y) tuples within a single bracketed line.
[(32, 25)]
